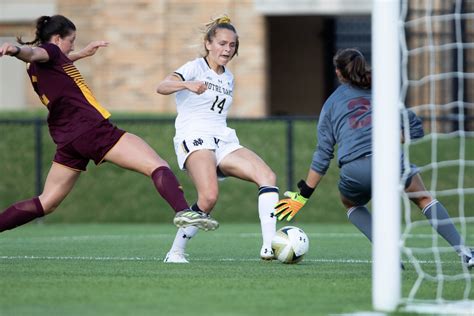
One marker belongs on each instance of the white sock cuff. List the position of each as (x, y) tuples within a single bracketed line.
[(429, 205), (267, 189), (350, 210)]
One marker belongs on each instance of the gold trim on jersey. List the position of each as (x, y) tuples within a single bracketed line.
[(72, 72), (34, 79), (44, 99)]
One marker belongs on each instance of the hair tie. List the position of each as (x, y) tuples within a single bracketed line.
[(357, 54), (223, 20)]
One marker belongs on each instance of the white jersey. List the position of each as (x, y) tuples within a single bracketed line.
[(205, 114)]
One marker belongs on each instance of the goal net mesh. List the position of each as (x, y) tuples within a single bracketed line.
[(437, 51)]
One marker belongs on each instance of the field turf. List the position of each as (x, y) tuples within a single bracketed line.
[(117, 269)]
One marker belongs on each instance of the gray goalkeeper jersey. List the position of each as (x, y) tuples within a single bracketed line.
[(346, 120)]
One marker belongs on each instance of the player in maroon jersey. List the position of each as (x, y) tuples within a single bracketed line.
[(80, 128)]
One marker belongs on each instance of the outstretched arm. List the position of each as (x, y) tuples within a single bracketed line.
[(173, 83), (26, 53), (87, 51)]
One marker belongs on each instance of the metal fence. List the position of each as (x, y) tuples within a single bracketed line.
[(39, 126)]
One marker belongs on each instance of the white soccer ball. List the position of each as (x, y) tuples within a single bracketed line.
[(290, 244)]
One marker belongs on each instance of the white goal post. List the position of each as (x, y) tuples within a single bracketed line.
[(386, 155), (423, 59)]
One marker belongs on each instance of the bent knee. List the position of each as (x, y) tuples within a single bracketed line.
[(207, 201), (267, 177)]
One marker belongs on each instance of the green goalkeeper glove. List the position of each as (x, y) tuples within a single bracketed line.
[(289, 207)]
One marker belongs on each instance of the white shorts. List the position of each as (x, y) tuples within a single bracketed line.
[(184, 147)]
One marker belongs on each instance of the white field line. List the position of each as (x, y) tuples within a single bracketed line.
[(165, 236), (128, 237), (159, 259)]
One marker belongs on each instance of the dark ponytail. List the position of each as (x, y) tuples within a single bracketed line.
[(353, 67), (47, 26)]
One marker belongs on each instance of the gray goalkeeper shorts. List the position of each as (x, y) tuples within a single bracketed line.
[(355, 180)]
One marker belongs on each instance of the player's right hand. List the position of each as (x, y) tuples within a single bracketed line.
[(7, 49), (287, 208), (197, 87)]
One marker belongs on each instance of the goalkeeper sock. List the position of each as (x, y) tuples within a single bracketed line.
[(440, 220), (183, 235), (168, 186), (21, 213), (267, 199), (362, 219)]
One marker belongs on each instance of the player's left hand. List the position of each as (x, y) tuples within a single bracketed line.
[(92, 48), (289, 207)]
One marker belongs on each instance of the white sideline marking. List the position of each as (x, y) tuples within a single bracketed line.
[(91, 258), (161, 236), (158, 236), (60, 258)]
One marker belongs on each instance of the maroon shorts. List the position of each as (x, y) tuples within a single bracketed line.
[(93, 144)]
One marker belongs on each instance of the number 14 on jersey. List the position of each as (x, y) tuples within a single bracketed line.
[(219, 104)]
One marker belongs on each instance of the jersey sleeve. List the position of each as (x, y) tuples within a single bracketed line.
[(53, 51), (187, 71), (325, 148)]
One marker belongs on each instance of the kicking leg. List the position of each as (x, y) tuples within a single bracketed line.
[(132, 152)]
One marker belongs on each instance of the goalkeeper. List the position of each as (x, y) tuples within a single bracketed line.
[(346, 121)]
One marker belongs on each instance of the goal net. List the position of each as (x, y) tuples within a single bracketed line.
[(435, 40)]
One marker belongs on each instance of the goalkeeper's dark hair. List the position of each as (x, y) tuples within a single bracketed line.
[(47, 26), (353, 67)]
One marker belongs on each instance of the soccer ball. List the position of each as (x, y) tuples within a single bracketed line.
[(290, 244)]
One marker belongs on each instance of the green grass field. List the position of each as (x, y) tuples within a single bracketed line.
[(117, 269), (78, 263)]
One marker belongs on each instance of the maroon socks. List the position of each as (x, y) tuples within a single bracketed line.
[(21, 213), (25, 211), (168, 186)]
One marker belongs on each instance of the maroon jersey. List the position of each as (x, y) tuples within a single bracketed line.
[(73, 110)]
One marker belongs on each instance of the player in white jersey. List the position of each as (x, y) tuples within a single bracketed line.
[(205, 147)]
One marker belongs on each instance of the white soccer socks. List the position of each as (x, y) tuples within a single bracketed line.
[(183, 235), (267, 199)]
